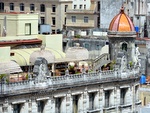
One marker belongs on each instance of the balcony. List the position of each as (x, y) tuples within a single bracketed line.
[(66, 81), (124, 104), (109, 106), (138, 102), (80, 24), (93, 111), (80, 11)]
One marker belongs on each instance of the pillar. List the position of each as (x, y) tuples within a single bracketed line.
[(34, 107)]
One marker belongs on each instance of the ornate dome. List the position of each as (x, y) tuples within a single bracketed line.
[(121, 22), (42, 53), (77, 52)]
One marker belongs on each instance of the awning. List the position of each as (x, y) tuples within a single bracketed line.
[(22, 56), (9, 67)]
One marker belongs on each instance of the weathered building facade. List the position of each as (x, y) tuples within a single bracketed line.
[(114, 90)]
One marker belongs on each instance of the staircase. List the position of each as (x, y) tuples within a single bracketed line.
[(100, 61)]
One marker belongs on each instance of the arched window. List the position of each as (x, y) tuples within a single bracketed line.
[(42, 8), (11, 5), (32, 7), (1, 6), (124, 46), (21, 6)]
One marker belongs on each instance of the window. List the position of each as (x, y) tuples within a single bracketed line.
[(75, 6), (42, 20), (73, 18), (53, 21), (53, 31), (91, 101), (97, 47), (75, 103), (66, 6), (32, 7), (11, 5), (98, 8), (98, 22), (40, 106), (58, 105), (12, 54), (1, 6), (84, 6), (124, 46), (85, 19), (65, 20), (144, 101), (53, 8), (21, 7), (107, 98), (17, 108), (136, 93), (86, 45), (80, 6), (42, 8), (123, 96), (27, 28)]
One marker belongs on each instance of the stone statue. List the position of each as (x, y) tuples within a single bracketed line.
[(137, 53), (123, 64), (40, 70)]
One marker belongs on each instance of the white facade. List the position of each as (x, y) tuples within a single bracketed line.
[(81, 4)]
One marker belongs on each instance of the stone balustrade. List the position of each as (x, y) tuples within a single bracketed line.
[(66, 81)]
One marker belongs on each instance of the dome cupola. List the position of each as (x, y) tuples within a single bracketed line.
[(48, 55), (77, 52), (121, 22)]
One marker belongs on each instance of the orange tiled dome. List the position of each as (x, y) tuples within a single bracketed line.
[(121, 22)]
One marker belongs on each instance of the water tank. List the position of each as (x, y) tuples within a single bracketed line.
[(136, 29), (142, 79), (45, 29)]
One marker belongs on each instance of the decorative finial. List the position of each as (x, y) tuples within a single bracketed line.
[(122, 9)]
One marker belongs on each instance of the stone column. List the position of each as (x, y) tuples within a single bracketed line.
[(8, 109), (47, 106), (96, 100), (101, 99), (52, 105), (63, 105), (133, 97), (24, 108), (29, 106), (34, 106), (80, 104), (69, 103), (85, 101), (117, 98)]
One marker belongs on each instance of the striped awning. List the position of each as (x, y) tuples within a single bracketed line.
[(9, 67)]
